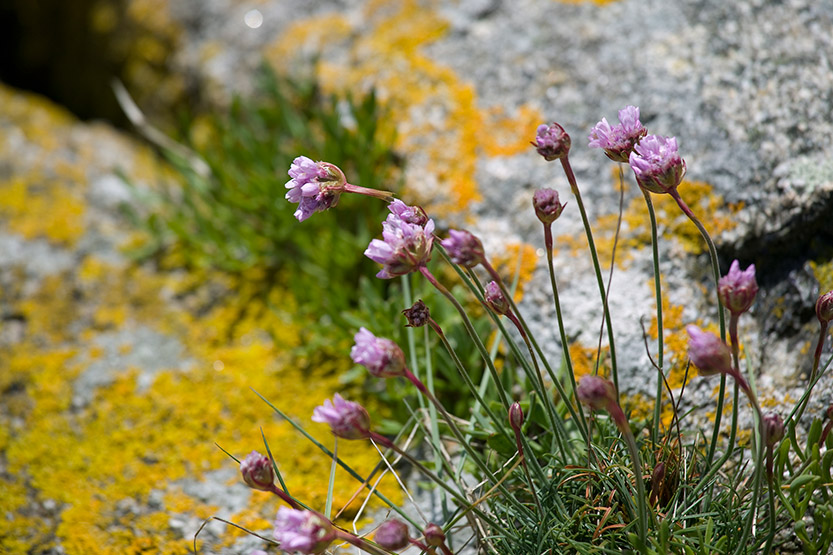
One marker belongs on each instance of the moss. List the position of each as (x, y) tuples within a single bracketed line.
[(388, 56)]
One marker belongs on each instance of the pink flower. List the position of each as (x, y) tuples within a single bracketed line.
[(597, 393), (824, 307), (303, 531), (406, 242), (314, 186), (382, 357), (495, 298), (346, 418), (552, 142), (657, 164), (708, 353), (257, 471), (737, 289), (392, 535), (618, 141), (463, 248)]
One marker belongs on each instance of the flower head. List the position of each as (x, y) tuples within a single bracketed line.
[(546, 204), (434, 535), (516, 417), (618, 140), (382, 357), (597, 393), (418, 315), (495, 298), (552, 142), (824, 307), (405, 244), (463, 248), (315, 186), (657, 164), (737, 289), (346, 418), (303, 531), (392, 535), (773, 428), (257, 471), (708, 353)]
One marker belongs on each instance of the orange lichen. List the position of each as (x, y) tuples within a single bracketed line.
[(387, 55)]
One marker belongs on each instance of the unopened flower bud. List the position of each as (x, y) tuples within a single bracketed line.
[(382, 357), (546, 204), (392, 535), (434, 535), (495, 299), (303, 531), (347, 419), (708, 353), (257, 471), (657, 164), (516, 416), (463, 248), (595, 392), (824, 307), (737, 289), (418, 315), (773, 428), (552, 142)]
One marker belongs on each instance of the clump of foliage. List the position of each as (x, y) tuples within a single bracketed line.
[(543, 462)]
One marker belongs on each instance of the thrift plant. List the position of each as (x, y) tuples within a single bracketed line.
[(543, 462)]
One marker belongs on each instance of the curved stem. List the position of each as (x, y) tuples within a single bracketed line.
[(568, 170), (386, 196), (658, 293), (720, 317)]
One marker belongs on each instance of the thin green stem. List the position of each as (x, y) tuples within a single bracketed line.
[(568, 170), (658, 293), (816, 360), (641, 499)]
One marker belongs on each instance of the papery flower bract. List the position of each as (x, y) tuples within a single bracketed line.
[(347, 419), (257, 471), (551, 141), (618, 141), (463, 248), (382, 357), (737, 289), (495, 299), (392, 535), (303, 531), (773, 428), (597, 393), (418, 315), (405, 246), (547, 206), (824, 307), (314, 186), (657, 164), (708, 352)]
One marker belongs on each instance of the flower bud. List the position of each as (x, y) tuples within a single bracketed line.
[(516, 417), (708, 353), (552, 142), (737, 289), (382, 357), (463, 248), (824, 307), (546, 204), (303, 531), (257, 471), (434, 535), (418, 315), (495, 299), (347, 419), (773, 428), (392, 535), (595, 392)]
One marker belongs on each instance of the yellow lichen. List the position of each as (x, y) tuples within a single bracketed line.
[(42, 209), (388, 57)]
